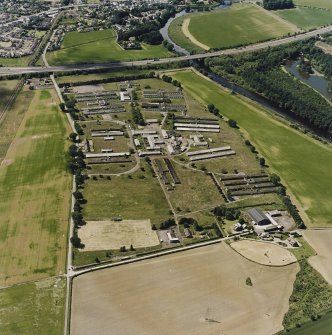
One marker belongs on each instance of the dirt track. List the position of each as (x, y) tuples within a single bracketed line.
[(199, 292), (187, 33)]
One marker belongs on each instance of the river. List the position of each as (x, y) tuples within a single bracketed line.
[(317, 81)]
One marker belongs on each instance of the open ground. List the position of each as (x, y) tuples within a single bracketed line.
[(35, 194), (106, 235), (238, 25), (99, 47), (302, 162), (202, 291), (314, 3), (264, 253), (33, 308), (320, 240)]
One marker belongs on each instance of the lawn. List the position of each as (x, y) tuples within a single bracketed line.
[(98, 47), (306, 18), (314, 3), (33, 308), (134, 197), (238, 25), (303, 163), (35, 194)]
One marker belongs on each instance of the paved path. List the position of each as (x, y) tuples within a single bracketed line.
[(232, 51)]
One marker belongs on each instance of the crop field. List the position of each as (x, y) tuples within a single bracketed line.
[(264, 253), (306, 18), (33, 308), (208, 286), (106, 235), (6, 90), (138, 197), (238, 25), (320, 240), (35, 194), (314, 3), (99, 47), (302, 162)]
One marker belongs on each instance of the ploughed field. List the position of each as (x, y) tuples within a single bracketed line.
[(202, 291)]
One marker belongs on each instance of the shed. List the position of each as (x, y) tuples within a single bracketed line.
[(258, 217)]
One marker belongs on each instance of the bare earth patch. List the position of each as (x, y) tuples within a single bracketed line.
[(187, 33), (106, 235), (197, 292), (264, 253), (88, 88), (320, 240)]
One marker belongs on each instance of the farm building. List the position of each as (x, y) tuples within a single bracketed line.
[(258, 217)]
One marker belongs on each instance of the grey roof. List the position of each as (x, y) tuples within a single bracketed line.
[(258, 216)]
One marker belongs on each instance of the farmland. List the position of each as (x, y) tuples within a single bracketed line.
[(306, 18), (302, 162), (104, 296), (238, 25), (99, 47), (34, 194), (33, 308)]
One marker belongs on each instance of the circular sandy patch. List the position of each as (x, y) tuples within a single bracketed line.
[(264, 253)]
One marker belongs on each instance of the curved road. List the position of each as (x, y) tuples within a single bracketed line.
[(114, 65)]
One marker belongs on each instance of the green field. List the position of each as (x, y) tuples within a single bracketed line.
[(133, 198), (314, 3), (303, 163), (323, 326), (306, 18), (100, 47), (238, 25), (35, 193), (33, 308), (6, 90), (23, 61)]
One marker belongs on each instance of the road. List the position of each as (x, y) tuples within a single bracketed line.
[(117, 65)]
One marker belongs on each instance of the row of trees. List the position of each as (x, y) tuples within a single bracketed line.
[(278, 4)]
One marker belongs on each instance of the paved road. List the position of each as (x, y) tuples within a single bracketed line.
[(115, 65)]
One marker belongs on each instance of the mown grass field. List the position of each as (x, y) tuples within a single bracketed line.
[(136, 197), (99, 47), (306, 18), (303, 163), (33, 308), (22, 61), (314, 3), (35, 194), (238, 25)]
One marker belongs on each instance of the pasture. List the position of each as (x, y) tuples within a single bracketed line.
[(99, 47), (303, 163), (107, 235), (35, 194), (6, 90), (201, 291), (327, 4), (306, 18), (134, 197), (33, 308), (238, 25)]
